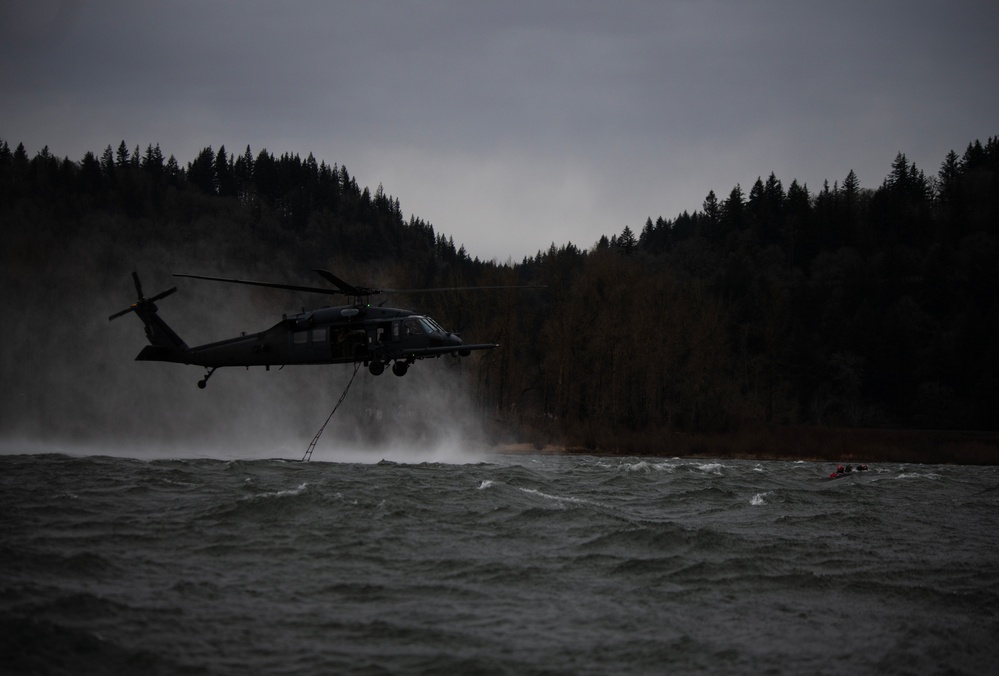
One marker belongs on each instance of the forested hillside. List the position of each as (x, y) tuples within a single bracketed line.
[(851, 306)]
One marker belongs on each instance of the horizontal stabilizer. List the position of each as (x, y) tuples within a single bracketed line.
[(159, 353)]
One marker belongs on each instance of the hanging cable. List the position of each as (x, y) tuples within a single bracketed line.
[(312, 446)]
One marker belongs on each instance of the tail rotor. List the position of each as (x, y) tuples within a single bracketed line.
[(143, 302)]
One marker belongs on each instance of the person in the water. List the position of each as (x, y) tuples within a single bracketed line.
[(841, 470)]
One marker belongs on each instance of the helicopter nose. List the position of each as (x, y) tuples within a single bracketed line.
[(450, 339), (456, 341)]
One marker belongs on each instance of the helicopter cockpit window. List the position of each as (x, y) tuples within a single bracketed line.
[(428, 325), (414, 328)]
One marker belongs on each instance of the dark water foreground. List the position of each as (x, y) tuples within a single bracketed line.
[(521, 564)]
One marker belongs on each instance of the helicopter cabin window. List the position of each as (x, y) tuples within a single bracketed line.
[(317, 336)]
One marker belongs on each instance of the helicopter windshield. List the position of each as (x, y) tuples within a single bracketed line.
[(429, 325), (416, 326), (435, 325)]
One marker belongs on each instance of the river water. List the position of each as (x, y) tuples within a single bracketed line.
[(505, 564)]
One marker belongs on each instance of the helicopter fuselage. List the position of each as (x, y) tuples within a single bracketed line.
[(330, 335), (346, 334)]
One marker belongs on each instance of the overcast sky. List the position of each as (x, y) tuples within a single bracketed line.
[(511, 125)]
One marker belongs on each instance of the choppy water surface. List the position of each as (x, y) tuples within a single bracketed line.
[(521, 564)]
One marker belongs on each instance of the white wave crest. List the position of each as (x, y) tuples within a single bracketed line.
[(559, 500), (917, 475), (648, 467), (281, 494)]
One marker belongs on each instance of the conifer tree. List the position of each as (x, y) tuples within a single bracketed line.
[(626, 242), (121, 157), (201, 172)]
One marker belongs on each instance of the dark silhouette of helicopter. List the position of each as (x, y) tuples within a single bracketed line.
[(357, 332)]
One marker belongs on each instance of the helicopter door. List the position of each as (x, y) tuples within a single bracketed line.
[(348, 342), (387, 332)]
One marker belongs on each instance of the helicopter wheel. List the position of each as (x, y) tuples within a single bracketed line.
[(377, 368), (399, 368), (204, 381)]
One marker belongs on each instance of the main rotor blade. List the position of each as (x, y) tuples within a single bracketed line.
[(347, 288), (270, 285), (462, 288), (351, 290)]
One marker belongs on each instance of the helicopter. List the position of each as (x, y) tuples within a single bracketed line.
[(354, 333)]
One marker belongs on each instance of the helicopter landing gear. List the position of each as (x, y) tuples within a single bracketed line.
[(399, 368), (204, 381)]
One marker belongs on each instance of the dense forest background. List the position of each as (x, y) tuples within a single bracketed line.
[(847, 307)]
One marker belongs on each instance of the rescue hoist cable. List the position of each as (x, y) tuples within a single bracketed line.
[(312, 446)]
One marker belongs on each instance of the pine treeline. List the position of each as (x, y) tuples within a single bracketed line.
[(850, 307)]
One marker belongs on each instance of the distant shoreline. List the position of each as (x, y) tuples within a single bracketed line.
[(813, 444)]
